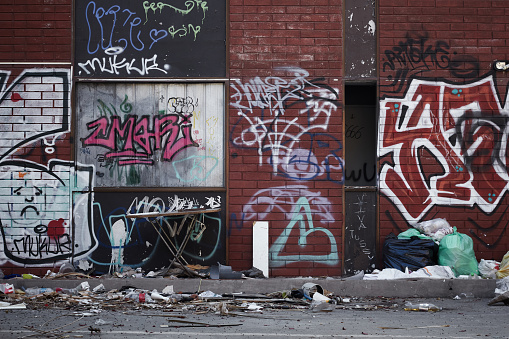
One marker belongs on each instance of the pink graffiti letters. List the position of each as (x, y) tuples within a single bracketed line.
[(134, 142), (448, 145)]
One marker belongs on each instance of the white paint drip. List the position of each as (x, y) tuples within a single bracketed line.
[(118, 239)]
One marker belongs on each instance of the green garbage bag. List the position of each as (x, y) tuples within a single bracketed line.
[(456, 250), (412, 232)]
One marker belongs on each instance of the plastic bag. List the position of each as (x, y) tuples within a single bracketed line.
[(431, 226), (412, 232), (413, 253), (437, 229), (457, 251), (504, 267), (488, 268), (502, 286)]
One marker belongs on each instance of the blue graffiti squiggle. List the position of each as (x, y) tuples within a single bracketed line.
[(104, 27)]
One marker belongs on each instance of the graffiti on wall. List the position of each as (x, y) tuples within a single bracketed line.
[(131, 135), (444, 144), (417, 56), (286, 141), (308, 215), (285, 120), (45, 201), (359, 242), (129, 142), (132, 38), (126, 243)]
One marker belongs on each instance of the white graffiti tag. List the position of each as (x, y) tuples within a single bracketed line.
[(279, 113)]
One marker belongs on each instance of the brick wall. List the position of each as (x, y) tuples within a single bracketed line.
[(35, 30), (450, 172), (35, 147), (285, 134), (440, 100)]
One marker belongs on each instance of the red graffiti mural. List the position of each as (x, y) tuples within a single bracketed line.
[(444, 144)]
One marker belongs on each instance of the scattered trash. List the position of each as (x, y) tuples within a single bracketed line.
[(223, 272), (156, 296), (421, 307), (66, 268), (488, 268), (501, 298), (168, 290), (208, 294), (101, 322), (464, 296), (84, 286), (9, 306), (196, 324), (414, 327), (357, 276), (504, 267), (99, 288), (254, 273), (321, 303), (252, 307), (501, 292), (310, 289), (430, 272), (36, 290), (94, 330), (85, 265), (502, 286), (6, 288)]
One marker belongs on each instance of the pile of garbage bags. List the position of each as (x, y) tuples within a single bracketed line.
[(435, 242)]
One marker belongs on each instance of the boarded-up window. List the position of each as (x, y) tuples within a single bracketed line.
[(152, 135)]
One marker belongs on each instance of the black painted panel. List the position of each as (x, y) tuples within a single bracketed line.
[(134, 38), (360, 232), (130, 243)]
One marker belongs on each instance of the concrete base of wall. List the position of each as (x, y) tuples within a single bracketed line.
[(422, 288)]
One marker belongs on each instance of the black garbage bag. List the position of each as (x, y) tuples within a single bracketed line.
[(413, 253)]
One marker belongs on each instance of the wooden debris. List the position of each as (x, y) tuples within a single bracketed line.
[(199, 324)]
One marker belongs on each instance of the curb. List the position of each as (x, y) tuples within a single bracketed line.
[(415, 288)]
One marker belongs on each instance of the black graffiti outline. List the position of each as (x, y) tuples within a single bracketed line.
[(48, 169), (64, 127), (481, 119), (361, 172), (42, 245), (464, 67)]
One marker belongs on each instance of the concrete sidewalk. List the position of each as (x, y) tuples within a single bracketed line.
[(421, 288)]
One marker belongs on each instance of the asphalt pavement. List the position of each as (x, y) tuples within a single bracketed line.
[(381, 317)]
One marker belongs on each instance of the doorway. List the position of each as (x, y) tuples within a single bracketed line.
[(360, 173)]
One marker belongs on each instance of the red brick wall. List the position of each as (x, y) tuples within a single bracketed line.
[(285, 120), (450, 45), (35, 35), (35, 30), (285, 116)]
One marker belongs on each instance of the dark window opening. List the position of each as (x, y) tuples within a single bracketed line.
[(360, 135)]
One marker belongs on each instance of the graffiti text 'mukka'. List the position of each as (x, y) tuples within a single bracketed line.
[(134, 141)]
